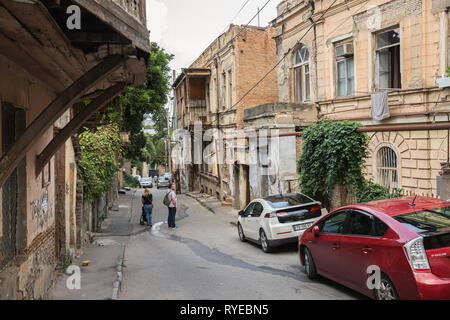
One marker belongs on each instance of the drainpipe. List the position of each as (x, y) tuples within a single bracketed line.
[(406, 127), (216, 63)]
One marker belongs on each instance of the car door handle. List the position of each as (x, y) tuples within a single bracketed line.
[(367, 250)]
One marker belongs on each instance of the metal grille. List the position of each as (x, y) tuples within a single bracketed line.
[(10, 128), (9, 212), (387, 168)]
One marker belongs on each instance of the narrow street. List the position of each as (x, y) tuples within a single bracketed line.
[(204, 259)]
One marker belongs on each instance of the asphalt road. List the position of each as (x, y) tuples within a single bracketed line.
[(204, 260)]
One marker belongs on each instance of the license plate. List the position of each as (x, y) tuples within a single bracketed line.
[(302, 226)]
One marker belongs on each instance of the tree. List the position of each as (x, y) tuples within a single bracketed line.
[(100, 149), (129, 110)]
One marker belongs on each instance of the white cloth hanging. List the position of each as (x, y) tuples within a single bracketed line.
[(380, 106)]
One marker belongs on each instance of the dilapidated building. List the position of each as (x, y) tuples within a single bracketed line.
[(53, 55), (382, 63), (215, 91)]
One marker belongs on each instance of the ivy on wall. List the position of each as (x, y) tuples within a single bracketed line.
[(335, 154), (100, 149)]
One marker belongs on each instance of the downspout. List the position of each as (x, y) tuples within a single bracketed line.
[(216, 63)]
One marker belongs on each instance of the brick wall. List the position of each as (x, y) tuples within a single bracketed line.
[(256, 56)]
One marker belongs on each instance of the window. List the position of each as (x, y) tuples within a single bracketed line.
[(334, 224), (345, 70), (302, 75), (224, 89), (283, 201), (249, 209), (360, 224), (380, 228), (387, 168), (230, 89), (387, 65), (257, 210)]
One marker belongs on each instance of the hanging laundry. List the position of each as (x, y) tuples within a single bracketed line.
[(380, 107)]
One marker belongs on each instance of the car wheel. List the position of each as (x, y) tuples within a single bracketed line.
[(310, 266), (264, 242), (241, 233), (386, 291)]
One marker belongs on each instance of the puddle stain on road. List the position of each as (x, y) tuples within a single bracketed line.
[(215, 256)]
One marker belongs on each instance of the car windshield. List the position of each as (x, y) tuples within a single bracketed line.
[(146, 179), (288, 200), (426, 220)]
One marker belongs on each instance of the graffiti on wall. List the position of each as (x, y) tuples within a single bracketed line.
[(42, 209)]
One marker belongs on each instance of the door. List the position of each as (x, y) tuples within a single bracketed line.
[(358, 249), (245, 221), (254, 221), (325, 249)]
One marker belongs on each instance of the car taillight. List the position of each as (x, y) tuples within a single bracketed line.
[(417, 255), (315, 208), (276, 214)]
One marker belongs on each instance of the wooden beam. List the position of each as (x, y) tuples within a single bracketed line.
[(54, 111), (72, 127), (97, 38)]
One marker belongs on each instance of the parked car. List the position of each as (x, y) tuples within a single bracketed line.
[(407, 239), (278, 219), (146, 183), (163, 182)]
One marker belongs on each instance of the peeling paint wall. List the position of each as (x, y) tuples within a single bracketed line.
[(36, 260)]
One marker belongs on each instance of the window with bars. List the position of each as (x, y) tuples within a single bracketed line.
[(387, 168)]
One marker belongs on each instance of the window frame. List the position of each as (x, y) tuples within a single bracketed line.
[(377, 58), (372, 229), (304, 67), (345, 60), (321, 223), (377, 168)]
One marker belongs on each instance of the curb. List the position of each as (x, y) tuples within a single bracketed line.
[(117, 285)]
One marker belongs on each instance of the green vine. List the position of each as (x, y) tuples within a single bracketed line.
[(334, 153), (100, 150)]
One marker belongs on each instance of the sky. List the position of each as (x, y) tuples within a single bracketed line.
[(186, 28)]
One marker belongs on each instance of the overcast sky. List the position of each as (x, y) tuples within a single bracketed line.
[(187, 27)]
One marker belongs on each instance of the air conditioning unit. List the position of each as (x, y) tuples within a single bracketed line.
[(344, 50)]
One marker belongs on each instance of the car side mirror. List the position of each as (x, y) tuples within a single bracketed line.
[(316, 231), (241, 213)]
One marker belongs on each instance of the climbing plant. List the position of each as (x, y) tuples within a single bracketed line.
[(333, 153), (100, 149)]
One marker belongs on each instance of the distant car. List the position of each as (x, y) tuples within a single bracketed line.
[(146, 183), (278, 219), (163, 182), (406, 241)]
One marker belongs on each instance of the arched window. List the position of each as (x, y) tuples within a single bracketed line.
[(301, 72), (387, 168)]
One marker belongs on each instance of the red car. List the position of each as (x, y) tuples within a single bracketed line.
[(388, 249)]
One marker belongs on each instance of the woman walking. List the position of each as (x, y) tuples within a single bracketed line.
[(147, 202)]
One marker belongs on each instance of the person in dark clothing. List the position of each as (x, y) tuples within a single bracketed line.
[(147, 202), (173, 206)]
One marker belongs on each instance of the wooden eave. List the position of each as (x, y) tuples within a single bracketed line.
[(120, 20)]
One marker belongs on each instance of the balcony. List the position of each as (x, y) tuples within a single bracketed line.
[(126, 17)]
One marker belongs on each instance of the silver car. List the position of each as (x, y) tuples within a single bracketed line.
[(146, 183), (163, 181)]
